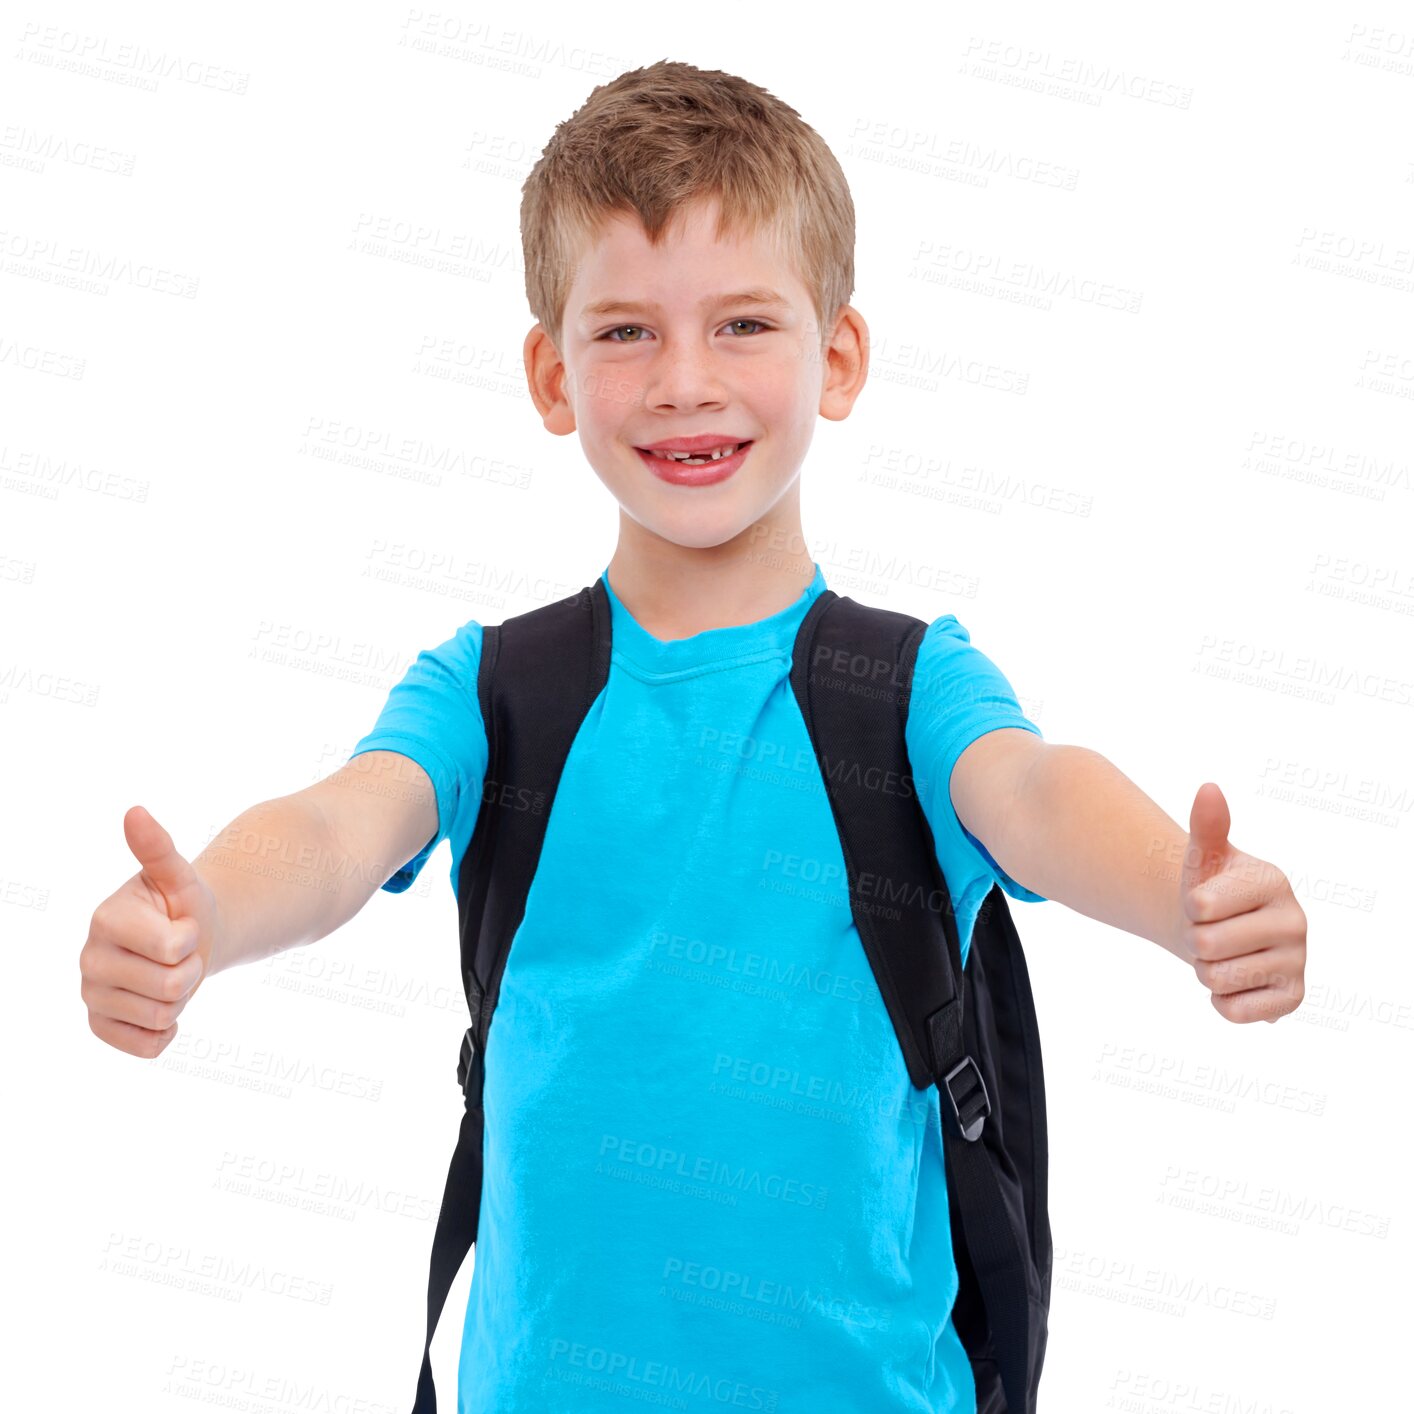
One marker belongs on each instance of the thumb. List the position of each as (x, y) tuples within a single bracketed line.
[(1208, 847), (167, 871)]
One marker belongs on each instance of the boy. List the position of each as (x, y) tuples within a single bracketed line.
[(798, 1255)]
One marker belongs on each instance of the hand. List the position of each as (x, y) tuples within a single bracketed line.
[(149, 944), (1240, 925)]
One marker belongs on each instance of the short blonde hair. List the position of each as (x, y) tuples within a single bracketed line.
[(655, 138)]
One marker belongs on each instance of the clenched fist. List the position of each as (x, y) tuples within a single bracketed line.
[(149, 944)]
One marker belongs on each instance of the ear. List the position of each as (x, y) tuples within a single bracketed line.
[(845, 361), (545, 373)]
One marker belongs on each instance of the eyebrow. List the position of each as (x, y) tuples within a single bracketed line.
[(759, 296)]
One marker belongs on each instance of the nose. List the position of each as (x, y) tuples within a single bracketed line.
[(684, 376)]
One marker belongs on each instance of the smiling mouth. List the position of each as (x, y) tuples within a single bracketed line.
[(697, 458), (709, 467)]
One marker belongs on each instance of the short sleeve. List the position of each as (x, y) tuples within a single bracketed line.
[(958, 694), (433, 716)]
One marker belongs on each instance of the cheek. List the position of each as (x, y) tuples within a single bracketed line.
[(611, 395), (794, 401)]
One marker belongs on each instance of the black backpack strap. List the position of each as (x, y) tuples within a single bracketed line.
[(540, 673), (456, 1232), (852, 674)]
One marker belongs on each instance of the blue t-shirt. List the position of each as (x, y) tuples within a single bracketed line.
[(708, 1179)]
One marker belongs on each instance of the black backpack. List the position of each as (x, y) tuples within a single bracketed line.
[(975, 1038)]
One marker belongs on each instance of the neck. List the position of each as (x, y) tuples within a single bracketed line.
[(675, 591)]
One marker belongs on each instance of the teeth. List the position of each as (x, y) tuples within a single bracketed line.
[(699, 458)]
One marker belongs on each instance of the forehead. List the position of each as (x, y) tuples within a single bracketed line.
[(688, 267)]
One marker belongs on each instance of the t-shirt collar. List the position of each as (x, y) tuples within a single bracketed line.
[(773, 633)]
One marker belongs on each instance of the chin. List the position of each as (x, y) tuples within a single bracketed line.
[(696, 530), (696, 536)]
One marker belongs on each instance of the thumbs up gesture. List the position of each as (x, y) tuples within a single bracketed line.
[(1241, 926), (149, 944)]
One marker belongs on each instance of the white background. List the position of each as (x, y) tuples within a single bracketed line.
[(1181, 528)]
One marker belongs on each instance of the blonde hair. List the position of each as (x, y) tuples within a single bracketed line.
[(655, 138)]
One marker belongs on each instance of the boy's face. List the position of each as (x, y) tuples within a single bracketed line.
[(662, 342)]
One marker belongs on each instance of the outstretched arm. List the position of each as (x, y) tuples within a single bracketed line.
[(1066, 823)]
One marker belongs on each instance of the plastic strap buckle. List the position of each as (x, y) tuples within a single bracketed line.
[(967, 1098)]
